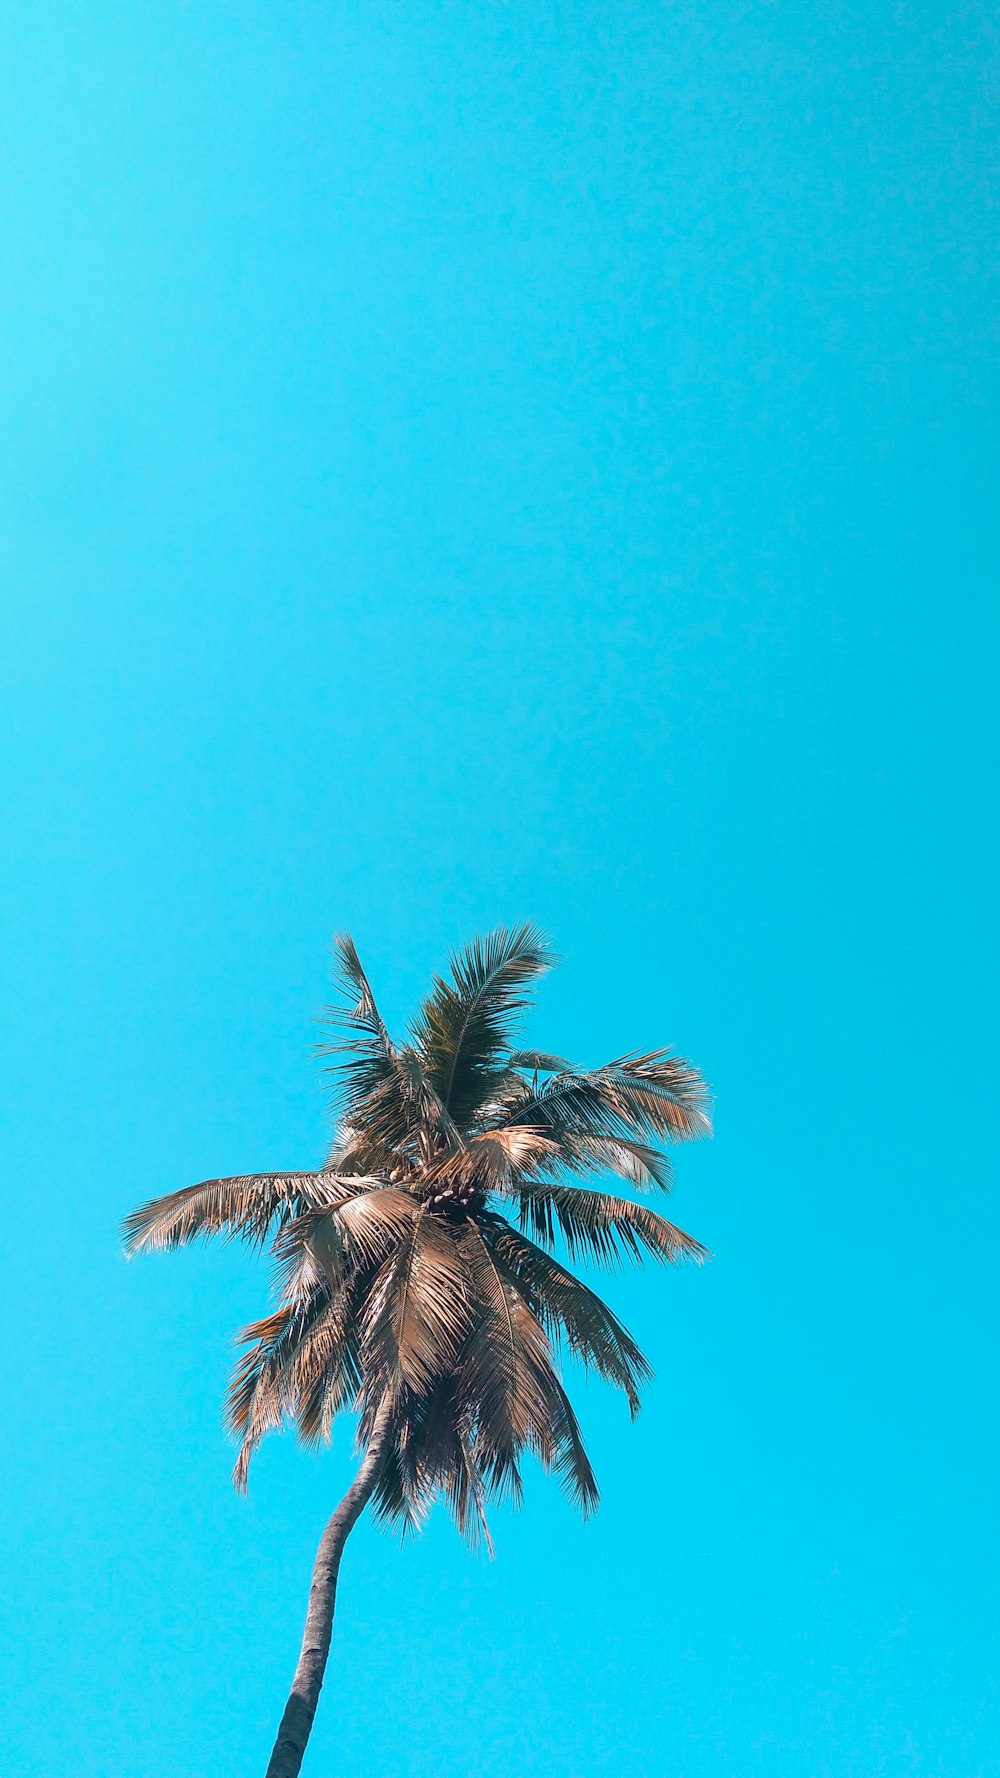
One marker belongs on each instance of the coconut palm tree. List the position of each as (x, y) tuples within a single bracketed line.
[(420, 1283)]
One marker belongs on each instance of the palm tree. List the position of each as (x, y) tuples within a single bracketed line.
[(419, 1277)]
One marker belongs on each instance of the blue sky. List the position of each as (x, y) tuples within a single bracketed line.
[(466, 464)]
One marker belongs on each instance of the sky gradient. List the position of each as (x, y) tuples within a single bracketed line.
[(465, 464)]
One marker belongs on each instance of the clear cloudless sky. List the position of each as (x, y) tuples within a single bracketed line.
[(467, 463)]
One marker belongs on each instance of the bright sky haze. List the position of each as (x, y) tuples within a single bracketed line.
[(468, 464)]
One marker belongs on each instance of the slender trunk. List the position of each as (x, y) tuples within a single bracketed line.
[(296, 1723)]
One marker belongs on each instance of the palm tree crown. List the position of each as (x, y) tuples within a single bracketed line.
[(419, 1276)]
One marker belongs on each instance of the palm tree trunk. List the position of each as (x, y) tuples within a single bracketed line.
[(296, 1723)]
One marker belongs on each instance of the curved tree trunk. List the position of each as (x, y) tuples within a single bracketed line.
[(297, 1721)]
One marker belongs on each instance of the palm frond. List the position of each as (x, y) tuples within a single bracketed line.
[(463, 1484), (302, 1365), (395, 1501), (253, 1399), (539, 1062), (464, 1027), (493, 1159), (568, 1105), (434, 1454), (568, 1455), (309, 1252), (418, 1312), (246, 1205), (437, 1125), (657, 1094), (600, 1227), (370, 1078), (327, 1374), (357, 1012), (257, 1397), (504, 1371), (568, 1308), (354, 1150), (643, 1166), (523, 1404), (666, 1091), (373, 1224)]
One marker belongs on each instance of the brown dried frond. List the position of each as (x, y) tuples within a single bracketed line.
[(246, 1205)]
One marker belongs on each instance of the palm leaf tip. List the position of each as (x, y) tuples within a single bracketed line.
[(349, 971), (572, 1463), (507, 957), (132, 1231)]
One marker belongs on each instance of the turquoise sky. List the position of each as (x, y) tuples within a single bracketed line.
[(475, 463)]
